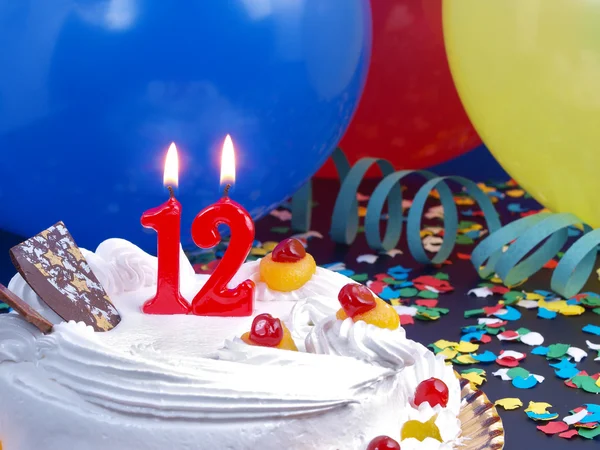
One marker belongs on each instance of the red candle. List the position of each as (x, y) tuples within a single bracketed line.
[(215, 298), (166, 221)]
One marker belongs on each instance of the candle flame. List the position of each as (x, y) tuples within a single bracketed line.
[(171, 174), (228, 162)]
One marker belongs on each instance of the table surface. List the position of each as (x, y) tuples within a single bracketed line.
[(520, 430)]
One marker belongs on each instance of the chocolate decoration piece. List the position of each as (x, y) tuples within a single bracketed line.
[(28, 313), (54, 267)]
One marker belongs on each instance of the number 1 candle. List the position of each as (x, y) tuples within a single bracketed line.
[(166, 221), (215, 298)]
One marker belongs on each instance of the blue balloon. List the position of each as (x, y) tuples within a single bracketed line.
[(92, 92)]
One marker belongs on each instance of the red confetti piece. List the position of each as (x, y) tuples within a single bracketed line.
[(427, 303), (507, 361), (499, 290), (405, 319), (551, 264), (590, 425), (489, 310), (509, 334), (382, 276), (497, 324), (485, 339), (569, 434), (423, 281), (553, 427), (465, 256), (377, 286)]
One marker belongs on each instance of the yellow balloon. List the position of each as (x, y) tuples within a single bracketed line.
[(528, 73)]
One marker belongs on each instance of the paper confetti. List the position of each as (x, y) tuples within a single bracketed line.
[(509, 403)]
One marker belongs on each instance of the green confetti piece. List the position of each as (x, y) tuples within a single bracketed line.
[(589, 433), (280, 230), (361, 229), (463, 239), (557, 351), (426, 293), (464, 224), (434, 348), (442, 276), (596, 310), (360, 277), (588, 384), (523, 331), (393, 281), (473, 370), (408, 292), (590, 301), (443, 311), (512, 296), (487, 285), (4, 306), (518, 372), (494, 331), (474, 312)]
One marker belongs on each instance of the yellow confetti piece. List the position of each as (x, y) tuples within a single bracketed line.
[(496, 279), (464, 201), (509, 403), (467, 347), (425, 232), (466, 359), (572, 310), (257, 251), (395, 301), (486, 188), (448, 353), (538, 407), (434, 194), (442, 343), (597, 384), (269, 245), (475, 378), (515, 193), (362, 211), (534, 296), (555, 306)]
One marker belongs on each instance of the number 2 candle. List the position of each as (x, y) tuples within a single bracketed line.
[(166, 221), (215, 298)]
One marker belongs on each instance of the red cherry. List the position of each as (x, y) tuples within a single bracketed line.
[(383, 443), (289, 250), (433, 391), (356, 299), (266, 330)]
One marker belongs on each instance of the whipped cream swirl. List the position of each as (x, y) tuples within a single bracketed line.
[(360, 340)]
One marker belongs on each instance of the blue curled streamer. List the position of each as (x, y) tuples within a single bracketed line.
[(540, 236)]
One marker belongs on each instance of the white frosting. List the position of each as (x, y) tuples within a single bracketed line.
[(362, 341), (158, 382)]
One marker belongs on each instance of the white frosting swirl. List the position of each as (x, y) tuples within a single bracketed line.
[(360, 340), (305, 314), (324, 282), (17, 339), (121, 266)]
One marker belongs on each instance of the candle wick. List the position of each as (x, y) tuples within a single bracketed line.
[(171, 194), (226, 191)]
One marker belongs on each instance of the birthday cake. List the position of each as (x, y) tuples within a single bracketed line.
[(322, 363)]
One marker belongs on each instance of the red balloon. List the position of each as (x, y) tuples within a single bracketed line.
[(410, 112)]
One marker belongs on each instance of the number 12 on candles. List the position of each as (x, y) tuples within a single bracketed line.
[(215, 298)]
